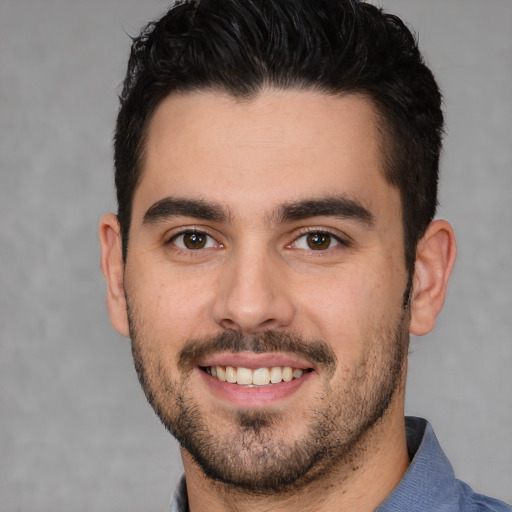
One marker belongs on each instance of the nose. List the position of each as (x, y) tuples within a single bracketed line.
[(253, 296)]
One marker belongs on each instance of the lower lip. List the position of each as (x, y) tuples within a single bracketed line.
[(256, 396)]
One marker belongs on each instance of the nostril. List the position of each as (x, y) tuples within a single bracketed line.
[(249, 327), (252, 301), (229, 325)]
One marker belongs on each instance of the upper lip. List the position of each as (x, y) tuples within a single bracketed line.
[(254, 360)]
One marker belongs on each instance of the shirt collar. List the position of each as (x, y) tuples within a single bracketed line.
[(179, 500), (429, 479)]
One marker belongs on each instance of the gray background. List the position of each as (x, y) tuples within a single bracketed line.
[(75, 431)]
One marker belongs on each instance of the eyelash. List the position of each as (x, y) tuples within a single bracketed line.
[(191, 232), (316, 231), (211, 242)]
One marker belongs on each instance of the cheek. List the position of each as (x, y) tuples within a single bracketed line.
[(171, 306), (341, 307)]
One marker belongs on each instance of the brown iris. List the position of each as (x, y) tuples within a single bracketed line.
[(193, 240), (318, 241)]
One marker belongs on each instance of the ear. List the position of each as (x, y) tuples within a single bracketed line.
[(112, 266), (435, 258)]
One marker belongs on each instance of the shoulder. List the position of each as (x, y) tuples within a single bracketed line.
[(470, 501), (430, 482)]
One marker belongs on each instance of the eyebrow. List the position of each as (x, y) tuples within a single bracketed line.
[(170, 207), (333, 206), (343, 207)]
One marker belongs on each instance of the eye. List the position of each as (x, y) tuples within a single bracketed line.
[(317, 241), (193, 240)]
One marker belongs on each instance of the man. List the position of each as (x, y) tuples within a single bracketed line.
[(276, 172)]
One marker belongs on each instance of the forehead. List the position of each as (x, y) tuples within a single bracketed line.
[(277, 147)]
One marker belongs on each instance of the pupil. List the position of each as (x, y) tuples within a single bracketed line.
[(319, 241), (194, 240)]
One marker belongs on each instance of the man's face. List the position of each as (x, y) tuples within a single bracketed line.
[(265, 245)]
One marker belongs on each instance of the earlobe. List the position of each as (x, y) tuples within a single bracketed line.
[(112, 265), (435, 258)]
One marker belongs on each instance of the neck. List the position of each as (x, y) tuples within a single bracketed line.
[(362, 482)]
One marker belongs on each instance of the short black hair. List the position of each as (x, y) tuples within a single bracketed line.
[(334, 46)]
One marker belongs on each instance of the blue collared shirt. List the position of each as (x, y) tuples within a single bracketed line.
[(428, 486)]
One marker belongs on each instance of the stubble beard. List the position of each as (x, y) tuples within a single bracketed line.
[(254, 456)]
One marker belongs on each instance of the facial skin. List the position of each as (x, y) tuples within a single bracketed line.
[(265, 235)]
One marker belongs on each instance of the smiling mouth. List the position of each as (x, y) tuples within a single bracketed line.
[(257, 377)]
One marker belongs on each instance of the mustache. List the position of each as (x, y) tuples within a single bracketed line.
[(314, 350)]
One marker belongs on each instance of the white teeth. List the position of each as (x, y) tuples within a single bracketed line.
[(221, 373), (231, 374), (276, 375), (297, 373), (243, 376), (261, 377), (258, 377)]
